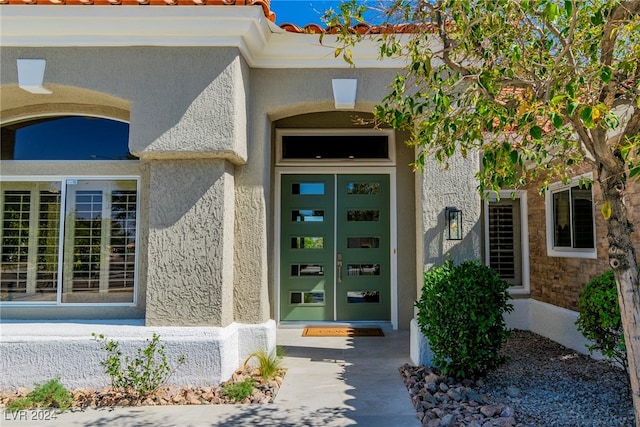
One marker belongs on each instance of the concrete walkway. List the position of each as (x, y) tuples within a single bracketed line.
[(329, 382)]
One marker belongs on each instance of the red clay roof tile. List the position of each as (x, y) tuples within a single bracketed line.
[(361, 28), (262, 3)]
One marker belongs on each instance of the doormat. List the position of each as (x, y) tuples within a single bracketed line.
[(341, 331)]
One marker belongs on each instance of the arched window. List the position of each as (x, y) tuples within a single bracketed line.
[(66, 138)]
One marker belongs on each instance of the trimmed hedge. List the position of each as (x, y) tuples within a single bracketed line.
[(461, 312), (599, 319)]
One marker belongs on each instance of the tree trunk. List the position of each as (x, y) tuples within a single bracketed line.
[(622, 259)]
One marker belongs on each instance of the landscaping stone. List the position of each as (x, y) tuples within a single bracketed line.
[(543, 384), (264, 392)]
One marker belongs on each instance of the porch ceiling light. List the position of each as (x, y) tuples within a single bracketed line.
[(31, 75), (454, 223), (344, 93)]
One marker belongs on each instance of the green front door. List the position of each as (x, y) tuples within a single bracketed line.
[(335, 250)]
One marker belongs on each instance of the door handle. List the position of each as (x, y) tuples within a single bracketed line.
[(339, 267)]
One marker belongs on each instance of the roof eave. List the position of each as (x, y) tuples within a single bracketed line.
[(261, 43)]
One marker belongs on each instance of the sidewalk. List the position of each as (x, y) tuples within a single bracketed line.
[(329, 382)]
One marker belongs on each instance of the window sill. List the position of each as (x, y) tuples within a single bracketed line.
[(587, 254)]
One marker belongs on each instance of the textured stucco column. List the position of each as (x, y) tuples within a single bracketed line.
[(191, 226)]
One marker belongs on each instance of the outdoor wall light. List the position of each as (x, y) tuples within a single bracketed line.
[(344, 93), (31, 75), (454, 223)]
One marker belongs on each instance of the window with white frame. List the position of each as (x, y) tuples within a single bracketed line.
[(570, 219), (66, 241)]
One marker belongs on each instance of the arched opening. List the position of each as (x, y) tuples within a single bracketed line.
[(79, 138)]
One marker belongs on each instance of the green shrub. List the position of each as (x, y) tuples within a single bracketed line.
[(461, 312), (141, 375), (240, 390), (599, 319), (51, 394)]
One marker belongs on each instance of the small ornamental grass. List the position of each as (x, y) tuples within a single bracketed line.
[(269, 364), (461, 313), (51, 394)]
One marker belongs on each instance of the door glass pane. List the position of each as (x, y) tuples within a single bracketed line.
[(363, 242), (313, 297), (368, 188), (307, 242), (361, 297), (308, 188), (363, 269), (363, 215), (307, 215), (307, 270)]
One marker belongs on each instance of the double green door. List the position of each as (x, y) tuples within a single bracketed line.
[(334, 247)]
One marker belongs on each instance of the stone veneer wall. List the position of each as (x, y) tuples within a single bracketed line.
[(559, 280)]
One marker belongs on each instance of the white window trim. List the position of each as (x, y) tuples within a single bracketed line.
[(553, 251), (63, 180), (525, 289)]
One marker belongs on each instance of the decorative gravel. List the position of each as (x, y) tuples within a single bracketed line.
[(264, 391), (543, 384)]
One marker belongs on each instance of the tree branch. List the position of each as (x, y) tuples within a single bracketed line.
[(618, 14), (447, 45), (633, 125)]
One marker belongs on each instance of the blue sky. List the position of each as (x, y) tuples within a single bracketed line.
[(302, 12)]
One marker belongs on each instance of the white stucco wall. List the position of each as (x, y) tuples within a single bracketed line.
[(35, 352)]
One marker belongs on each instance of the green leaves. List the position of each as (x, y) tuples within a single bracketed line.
[(461, 312), (599, 320), (605, 74), (140, 375), (557, 120), (536, 132), (529, 72), (568, 8), (587, 116), (552, 11), (572, 107)]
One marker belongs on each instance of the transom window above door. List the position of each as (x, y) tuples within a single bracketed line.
[(334, 146)]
